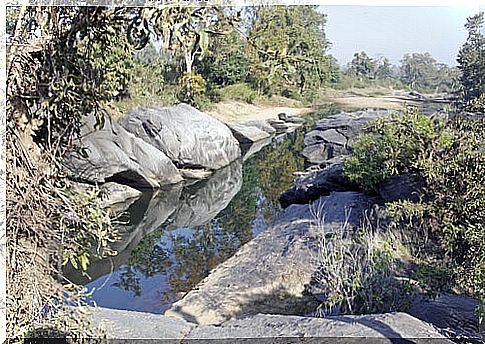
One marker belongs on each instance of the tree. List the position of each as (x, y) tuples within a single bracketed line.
[(419, 70), (362, 66), (287, 48), (384, 69), (471, 59), (226, 61)]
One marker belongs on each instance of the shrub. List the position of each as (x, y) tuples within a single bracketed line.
[(389, 148), (242, 92), (448, 157)]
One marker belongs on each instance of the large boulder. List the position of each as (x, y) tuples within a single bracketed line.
[(263, 125), (110, 153), (247, 134), (189, 137), (310, 187)]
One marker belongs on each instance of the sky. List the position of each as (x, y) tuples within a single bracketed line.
[(392, 31)]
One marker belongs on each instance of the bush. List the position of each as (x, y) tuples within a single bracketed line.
[(448, 157), (242, 92), (390, 147)]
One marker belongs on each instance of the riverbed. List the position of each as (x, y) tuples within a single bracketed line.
[(173, 237)]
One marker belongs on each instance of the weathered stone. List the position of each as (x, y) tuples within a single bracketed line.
[(263, 125), (137, 325), (110, 153), (276, 265), (295, 119), (279, 125), (268, 328), (315, 185), (247, 134), (320, 153), (448, 311), (374, 328), (195, 173), (405, 187), (329, 136), (189, 137)]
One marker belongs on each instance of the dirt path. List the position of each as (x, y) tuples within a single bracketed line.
[(232, 111), (235, 111)]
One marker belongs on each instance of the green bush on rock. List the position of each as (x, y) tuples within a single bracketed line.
[(448, 157)]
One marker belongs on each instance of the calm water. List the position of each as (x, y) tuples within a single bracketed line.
[(172, 238)]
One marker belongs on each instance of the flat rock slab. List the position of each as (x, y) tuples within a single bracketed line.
[(269, 274), (376, 328), (246, 133), (123, 324), (386, 328)]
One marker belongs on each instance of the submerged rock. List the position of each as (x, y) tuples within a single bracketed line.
[(111, 153), (189, 137)]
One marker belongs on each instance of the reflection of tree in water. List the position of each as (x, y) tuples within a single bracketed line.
[(128, 280), (191, 256)]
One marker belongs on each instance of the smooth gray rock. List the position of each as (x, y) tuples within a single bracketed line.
[(333, 136), (448, 311), (377, 328), (265, 328), (328, 136), (279, 125), (247, 134), (189, 137), (110, 153), (269, 273), (310, 187), (405, 187), (321, 153), (263, 125), (120, 324)]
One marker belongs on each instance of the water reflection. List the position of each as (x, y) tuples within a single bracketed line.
[(174, 237)]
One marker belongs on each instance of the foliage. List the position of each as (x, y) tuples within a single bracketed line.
[(423, 73), (241, 92), (287, 48), (226, 61), (357, 273), (362, 66), (448, 157), (191, 89), (55, 77), (390, 148), (471, 59)]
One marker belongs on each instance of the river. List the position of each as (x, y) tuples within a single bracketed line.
[(172, 238)]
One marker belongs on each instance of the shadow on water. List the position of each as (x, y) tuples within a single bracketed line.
[(172, 238)]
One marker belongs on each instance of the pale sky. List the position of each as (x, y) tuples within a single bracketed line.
[(396, 30)]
